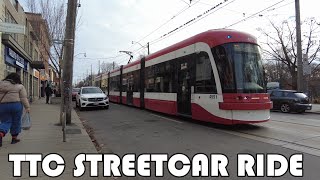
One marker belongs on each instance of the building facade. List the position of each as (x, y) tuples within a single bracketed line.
[(20, 52), (40, 27)]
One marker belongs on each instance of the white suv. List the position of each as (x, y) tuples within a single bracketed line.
[(91, 97)]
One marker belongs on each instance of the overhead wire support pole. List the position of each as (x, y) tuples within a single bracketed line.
[(148, 46), (68, 62), (299, 48)]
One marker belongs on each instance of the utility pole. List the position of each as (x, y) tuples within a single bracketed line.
[(113, 65), (91, 79), (299, 48), (100, 74), (148, 44), (68, 59)]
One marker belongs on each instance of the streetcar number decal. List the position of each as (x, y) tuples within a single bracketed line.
[(214, 96)]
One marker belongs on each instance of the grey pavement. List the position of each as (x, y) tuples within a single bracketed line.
[(315, 109), (122, 129), (45, 137)]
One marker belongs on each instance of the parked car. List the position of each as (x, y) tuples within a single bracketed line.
[(74, 93), (289, 100), (91, 97)]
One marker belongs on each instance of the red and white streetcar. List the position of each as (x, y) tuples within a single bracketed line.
[(215, 76)]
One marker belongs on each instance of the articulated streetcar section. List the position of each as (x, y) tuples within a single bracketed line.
[(216, 80), (215, 76)]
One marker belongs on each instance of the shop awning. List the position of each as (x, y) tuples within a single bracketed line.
[(37, 64)]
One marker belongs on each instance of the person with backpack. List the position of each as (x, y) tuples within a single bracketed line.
[(13, 97)]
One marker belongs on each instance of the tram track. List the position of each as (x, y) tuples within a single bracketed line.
[(293, 145), (296, 123)]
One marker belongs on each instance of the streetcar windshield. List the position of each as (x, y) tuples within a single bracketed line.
[(240, 68)]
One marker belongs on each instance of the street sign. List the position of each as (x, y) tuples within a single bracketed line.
[(12, 28)]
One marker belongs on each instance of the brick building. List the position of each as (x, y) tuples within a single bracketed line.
[(42, 33)]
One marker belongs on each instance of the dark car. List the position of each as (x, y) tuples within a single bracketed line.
[(289, 100), (74, 93)]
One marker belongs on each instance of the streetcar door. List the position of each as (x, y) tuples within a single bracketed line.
[(130, 90), (184, 88)]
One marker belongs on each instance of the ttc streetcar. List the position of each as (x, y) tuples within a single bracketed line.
[(215, 76)]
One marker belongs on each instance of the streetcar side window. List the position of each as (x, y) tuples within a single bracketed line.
[(124, 82), (114, 83), (205, 82), (160, 78), (136, 81), (149, 84)]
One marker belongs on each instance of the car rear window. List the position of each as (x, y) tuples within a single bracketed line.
[(91, 90), (277, 93), (300, 95)]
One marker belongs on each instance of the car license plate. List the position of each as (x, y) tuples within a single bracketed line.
[(308, 108), (96, 103)]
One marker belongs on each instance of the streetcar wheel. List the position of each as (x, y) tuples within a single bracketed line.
[(285, 108)]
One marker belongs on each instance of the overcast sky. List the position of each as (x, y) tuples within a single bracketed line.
[(110, 26)]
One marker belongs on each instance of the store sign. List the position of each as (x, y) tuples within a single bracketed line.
[(36, 73), (15, 56), (12, 28), (19, 64)]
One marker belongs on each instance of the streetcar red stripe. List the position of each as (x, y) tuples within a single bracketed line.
[(245, 106)]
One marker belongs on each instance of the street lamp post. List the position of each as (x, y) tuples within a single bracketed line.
[(134, 42), (84, 54)]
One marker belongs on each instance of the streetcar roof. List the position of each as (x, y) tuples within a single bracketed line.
[(212, 37)]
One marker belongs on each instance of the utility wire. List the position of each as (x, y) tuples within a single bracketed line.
[(194, 20), (254, 14), (180, 12)]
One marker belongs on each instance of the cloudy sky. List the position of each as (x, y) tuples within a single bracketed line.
[(109, 26)]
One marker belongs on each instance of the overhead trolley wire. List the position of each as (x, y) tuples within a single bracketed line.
[(176, 15), (254, 14), (194, 20)]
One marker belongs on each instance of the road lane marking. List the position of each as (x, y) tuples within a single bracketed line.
[(169, 119)]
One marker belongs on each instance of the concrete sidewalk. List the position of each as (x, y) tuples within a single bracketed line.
[(45, 137)]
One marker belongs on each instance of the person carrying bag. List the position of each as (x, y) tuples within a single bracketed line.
[(13, 96)]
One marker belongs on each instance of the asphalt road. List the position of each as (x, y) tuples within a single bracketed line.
[(121, 130)]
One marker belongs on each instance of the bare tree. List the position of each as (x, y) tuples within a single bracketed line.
[(54, 13), (107, 67), (280, 46)]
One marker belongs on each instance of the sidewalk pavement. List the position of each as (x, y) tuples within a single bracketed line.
[(45, 137), (315, 109)]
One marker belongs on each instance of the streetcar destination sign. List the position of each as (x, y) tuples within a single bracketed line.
[(12, 28)]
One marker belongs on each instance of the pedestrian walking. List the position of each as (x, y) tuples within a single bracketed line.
[(49, 92), (13, 96)]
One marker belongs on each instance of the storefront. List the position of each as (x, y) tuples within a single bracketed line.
[(36, 77), (16, 63)]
